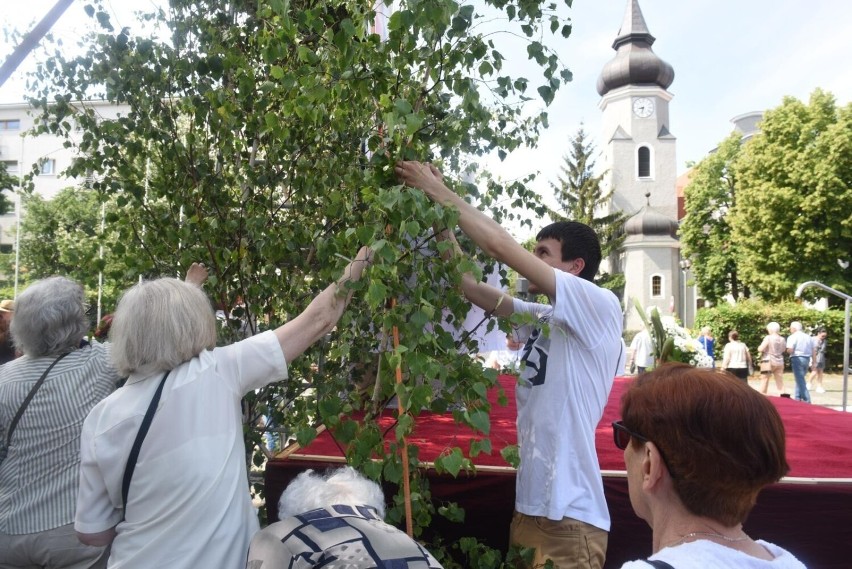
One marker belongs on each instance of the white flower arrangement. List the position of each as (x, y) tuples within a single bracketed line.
[(672, 342)]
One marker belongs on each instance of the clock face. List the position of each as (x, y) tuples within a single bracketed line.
[(643, 107)]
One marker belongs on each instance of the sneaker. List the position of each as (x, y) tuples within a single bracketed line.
[(810, 386), (820, 390)]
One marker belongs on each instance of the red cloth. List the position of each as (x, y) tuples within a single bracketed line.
[(819, 440), (811, 519)]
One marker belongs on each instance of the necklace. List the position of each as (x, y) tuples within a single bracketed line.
[(708, 534)]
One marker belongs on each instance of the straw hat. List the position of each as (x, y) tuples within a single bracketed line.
[(7, 305)]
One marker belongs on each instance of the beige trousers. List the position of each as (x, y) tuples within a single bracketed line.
[(569, 543)]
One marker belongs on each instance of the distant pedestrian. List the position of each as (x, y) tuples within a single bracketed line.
[(708, 342), (772, 350), (801, 348), (641, 352), (7, 348), (736, 358), (818, 361)]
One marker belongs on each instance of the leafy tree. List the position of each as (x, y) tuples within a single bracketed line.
[(63, 236), (705, 231), (793, 219), (261, 140), (581, 197)]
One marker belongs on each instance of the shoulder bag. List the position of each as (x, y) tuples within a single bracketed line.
[(25, 404)]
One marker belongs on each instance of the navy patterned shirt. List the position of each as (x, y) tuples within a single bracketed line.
[(338, 537)]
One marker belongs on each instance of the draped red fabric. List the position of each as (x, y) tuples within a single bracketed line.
[(810, 517)]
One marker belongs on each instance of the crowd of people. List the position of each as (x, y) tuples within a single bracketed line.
[(805, 353), (153, 474)]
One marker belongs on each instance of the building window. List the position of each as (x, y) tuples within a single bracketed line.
[(10, 124), (6, 248), (656, 286), (643, 162), (48, 167)]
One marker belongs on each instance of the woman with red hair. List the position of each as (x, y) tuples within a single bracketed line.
[(699, 446)]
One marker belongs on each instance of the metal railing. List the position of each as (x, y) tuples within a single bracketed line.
[(847, 300)]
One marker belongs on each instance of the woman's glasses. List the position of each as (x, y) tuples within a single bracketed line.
[(621, 435)]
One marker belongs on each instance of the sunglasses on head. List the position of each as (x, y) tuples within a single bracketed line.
[(621, 435)]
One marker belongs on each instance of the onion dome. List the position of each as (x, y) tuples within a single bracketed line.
[(650, 222), (635, 63)]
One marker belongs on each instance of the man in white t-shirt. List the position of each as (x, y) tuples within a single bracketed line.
[(570, 359), (641, 352)]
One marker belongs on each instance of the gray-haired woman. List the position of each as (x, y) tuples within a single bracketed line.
[(38, 476), (772, 350), (188, 504)]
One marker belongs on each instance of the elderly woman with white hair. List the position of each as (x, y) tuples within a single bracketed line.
[(334, 521), (44, 398), (771, 351), (163, 473)]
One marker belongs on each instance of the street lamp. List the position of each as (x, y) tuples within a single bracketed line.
[(522, 288), (684, 267), (847, 299)]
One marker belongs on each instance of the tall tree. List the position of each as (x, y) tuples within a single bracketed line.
[(793, 217), (581, 197), (261, 140), (705, 231), (64, 236), (8, 183)]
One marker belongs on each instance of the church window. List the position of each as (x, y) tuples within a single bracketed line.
[(656, 286), (643, 162)]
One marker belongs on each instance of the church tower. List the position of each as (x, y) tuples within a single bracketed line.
[(639, 154)]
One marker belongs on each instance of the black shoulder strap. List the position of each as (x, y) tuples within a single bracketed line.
[(618, 360), (659, 564), (29, 398), (137, 444)]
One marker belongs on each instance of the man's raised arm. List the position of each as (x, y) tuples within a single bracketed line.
[(489, 235)]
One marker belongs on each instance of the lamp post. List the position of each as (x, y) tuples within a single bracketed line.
[(522, 288), (684, 268), (847, 299)]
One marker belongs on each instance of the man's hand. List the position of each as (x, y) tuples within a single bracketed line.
[(196, 274), (425, 177)]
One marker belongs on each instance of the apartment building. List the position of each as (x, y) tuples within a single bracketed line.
[(20, 151)]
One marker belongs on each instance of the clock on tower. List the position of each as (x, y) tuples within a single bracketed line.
[(643, 107)]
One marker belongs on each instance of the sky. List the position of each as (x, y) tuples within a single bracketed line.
[(730, 57)]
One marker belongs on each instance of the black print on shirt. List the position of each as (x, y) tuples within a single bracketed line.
[(535, 357)]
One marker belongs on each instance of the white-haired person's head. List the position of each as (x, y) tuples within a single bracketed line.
[(796, 326), (50, 318), (341, 487), (773, 327), (159, 325)]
